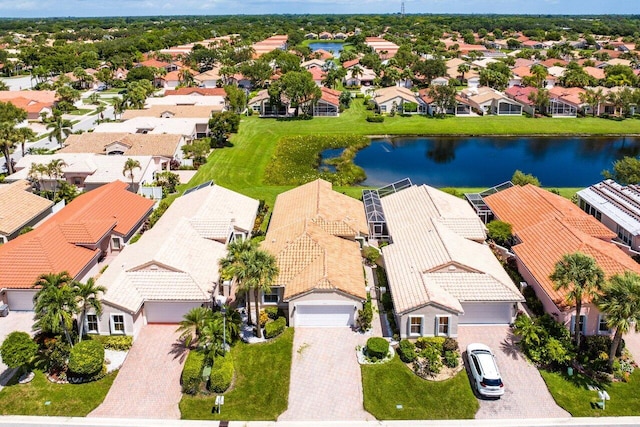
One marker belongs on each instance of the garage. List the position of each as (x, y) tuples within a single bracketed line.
[(495, 313), (167, 312), (324, 315), (20, 300)]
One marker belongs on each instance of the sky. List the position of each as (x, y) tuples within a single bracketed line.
[(57, 8)]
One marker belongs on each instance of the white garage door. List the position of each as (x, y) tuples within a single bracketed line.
[(20, 300), (328, 315), (487, 313), (167, 312)]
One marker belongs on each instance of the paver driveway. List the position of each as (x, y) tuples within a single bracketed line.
[(526, 394), (326, 383), (148, 384), (15, 321)]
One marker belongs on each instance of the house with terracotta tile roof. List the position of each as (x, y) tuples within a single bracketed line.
[(34, 102), (314, 233), (197, 91), (189, 128), (365, 77), (546, 227), (384, 48), (262, 104), (209, 78), (328, 104), (152, 62), (486, 100), (617, 207), (172, 111), (565, 101), (521, 94), (174, 267), (462, 107), (20, 208), (441, 273), (75, 239)]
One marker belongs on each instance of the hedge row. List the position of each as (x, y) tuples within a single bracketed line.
[(191, 372), (114, 342), (221, 374)]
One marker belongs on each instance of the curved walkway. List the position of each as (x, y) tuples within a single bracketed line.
[(326, 383), (148, 384)]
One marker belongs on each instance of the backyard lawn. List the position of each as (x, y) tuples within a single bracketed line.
[(241, 167), (391, 384), (572, 394), (70, 400), (261, 386)]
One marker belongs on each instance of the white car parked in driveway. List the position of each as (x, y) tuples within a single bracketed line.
[(484, 370)]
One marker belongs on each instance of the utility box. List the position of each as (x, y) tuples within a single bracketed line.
[(4, 310)]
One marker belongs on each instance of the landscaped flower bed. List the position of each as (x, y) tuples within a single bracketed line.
[(432, 358)]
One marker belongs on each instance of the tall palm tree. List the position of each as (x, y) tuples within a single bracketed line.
[(54, 304), (582, 278), (264, 270), (129, 167), (119, 105), (37, 171), (620, 302), (234, 266), (540, 99), (186, 77), (462, 69), (60, 127), (54, 169), (193, 323), (23, 135), (88, 297), (539, 74), (593, 98)]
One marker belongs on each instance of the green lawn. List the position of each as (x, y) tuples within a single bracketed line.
[(65, 399), (391, 384), (80, 111), (573, 395), (261, 387), (241, 167)]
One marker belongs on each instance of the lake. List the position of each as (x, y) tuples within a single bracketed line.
[(334, 48), (488, 161)]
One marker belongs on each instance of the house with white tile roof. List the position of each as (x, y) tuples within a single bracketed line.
[(440, 271), (174, 266)]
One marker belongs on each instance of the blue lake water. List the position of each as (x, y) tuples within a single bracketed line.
[(334, 48), (484, 162)]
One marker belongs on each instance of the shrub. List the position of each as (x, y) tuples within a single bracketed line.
[(500, 232), (451, 359), (428, 363), (272, 312), (407, 351), (533, 302), (377, 348), (114, 342), (264, 318), (434, 342), (387, 303), (221, 374), (18, 349), (275, 328), (371, 254), (520, 178), (86, 358), (450, 344), (375, 118), (192, 371), (365, 316)]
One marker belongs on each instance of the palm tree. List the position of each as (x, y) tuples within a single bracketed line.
[(539, 74), (54, 304), (54, 170), (37, 171), (264, 270), (212, 337), (60, 128), (186, 77), (119, 105), (193, 323), (22, 135), (233, 322), (100, 110), (582, 278), (462, 69), (540, 99), (620, 302), (87, 297), (593, 98), (128, 168), (356, 72), (234, 266)]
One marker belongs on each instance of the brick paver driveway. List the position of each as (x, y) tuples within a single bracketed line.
[(326, 383), (526, 394), (632, 342), (148, 384), (15, 321)]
